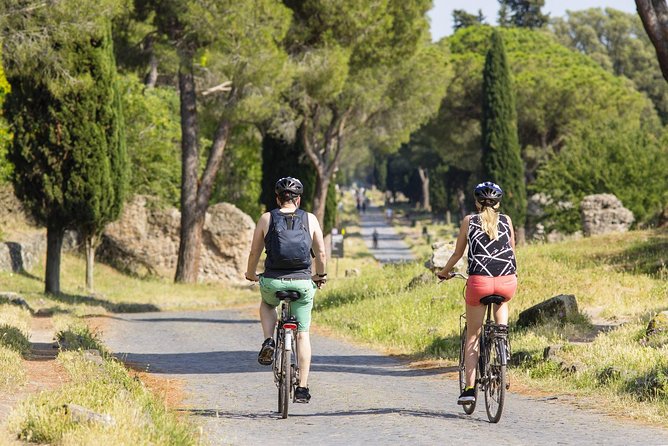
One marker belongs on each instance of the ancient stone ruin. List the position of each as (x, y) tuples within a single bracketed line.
[(441, 252), (145, 241), (604, 213)]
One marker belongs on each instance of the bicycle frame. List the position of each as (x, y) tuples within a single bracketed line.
[(494, 353), (286, 360)]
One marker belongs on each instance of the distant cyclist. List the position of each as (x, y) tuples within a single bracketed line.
[(288, 234), (492, 269)]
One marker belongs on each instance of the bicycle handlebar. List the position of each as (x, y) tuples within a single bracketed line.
[(454, 274)]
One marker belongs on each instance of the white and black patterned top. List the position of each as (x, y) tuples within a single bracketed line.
[(490, 257)]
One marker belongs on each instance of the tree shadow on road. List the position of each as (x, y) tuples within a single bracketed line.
[(223, 362), (113, 307), (221, 413)]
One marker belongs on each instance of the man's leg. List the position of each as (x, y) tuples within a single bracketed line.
[(268, 318), (304, 349)]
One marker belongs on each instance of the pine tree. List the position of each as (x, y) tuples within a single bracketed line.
[(501, 159), (522, 13)]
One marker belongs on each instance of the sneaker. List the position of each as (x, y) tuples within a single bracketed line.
[(302, 395), (467, 396), (266, 355)]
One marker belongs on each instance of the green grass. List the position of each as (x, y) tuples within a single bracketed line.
[(14, 345), (140, 418), (619, 280)]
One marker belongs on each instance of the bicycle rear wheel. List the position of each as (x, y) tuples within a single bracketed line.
[(278, 369), (495, 389), (470, 407), (286, 383)]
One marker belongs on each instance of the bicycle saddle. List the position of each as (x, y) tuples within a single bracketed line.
[(290, 296), (492, 299)]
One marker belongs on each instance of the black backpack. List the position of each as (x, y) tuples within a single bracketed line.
[(288, 241)]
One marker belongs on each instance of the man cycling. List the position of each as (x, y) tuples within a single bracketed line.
[(294, 273)]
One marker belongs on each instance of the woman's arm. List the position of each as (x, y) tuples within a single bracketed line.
[(460, 246), (512, 233)]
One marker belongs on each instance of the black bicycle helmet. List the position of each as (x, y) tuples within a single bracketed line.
[(289, 184), (488, 193)]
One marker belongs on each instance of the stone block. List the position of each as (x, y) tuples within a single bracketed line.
[(559, 308)]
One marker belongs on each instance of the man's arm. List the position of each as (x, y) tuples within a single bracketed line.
[(318, 246), (256, 246)]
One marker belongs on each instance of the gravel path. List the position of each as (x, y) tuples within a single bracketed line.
[(391, 248), (359, 396)]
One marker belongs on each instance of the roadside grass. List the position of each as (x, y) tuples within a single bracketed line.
[(106, 388), (14, 345), (618, 280)]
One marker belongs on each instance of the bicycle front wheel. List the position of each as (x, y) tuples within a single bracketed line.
[(495, 390), (470, 407)]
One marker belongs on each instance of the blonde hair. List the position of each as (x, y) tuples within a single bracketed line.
[(489, 217)]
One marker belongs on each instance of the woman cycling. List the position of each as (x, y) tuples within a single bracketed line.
[(492, 269)]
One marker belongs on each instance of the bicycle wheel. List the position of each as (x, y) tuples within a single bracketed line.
[(286, 384), (278, 370), (495, 390), (295, 366), (470, 407)]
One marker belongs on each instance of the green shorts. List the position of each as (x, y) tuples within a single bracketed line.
[(301, 308)]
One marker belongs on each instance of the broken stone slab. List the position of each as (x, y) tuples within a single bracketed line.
[(559, 308), (8, 297), (441, 252), (421, 280), (352, 272), (80, 414), (93, 355), (551, 352), (658, 324)]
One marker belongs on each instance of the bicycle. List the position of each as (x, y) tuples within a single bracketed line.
[(494, 351), (286, 362)]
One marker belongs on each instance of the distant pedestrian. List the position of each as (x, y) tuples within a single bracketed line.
[(375, 238)]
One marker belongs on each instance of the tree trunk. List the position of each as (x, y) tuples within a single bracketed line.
[(424, 180), (320, 197), (195, 193), (152, 75), (520, 236), (187, 266), (90, 261), (54, 244), (654, 16), (461, 199)]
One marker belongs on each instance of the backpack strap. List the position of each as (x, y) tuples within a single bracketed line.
[(303, 216)]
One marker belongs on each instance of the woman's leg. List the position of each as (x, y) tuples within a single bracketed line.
[(501, 313), (474, 317)]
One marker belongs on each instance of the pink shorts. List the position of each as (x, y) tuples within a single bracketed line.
[(478, 287)]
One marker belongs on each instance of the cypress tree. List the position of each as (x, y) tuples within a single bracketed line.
[(98, 186), (501, 159), (68, 149)]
